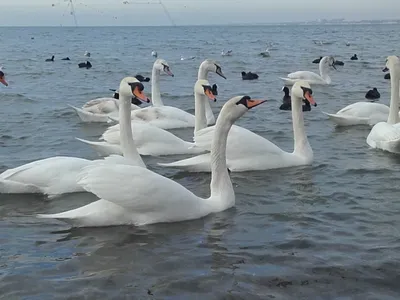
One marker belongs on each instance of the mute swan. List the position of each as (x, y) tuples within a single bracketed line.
[(386, 135), (151, 140), (264, 154), (170, 117), (135, 196), (98, 110), (57, 175), (205, 68), (311, 77)]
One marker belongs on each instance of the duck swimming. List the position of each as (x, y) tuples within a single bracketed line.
[(354, 57), (373, 94), (50, 59), (387, 76), (65, 58), (249, 76), (338, 63), (3, 78), (86, 65)]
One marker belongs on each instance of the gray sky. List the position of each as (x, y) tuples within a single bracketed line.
[(187, 12)]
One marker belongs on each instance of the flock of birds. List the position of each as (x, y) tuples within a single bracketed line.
[(86, 65), (130, 193)]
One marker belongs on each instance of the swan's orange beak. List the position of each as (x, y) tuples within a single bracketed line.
[(210, 94), (3, 81), (140, 95), (310, 98), (253, 103)]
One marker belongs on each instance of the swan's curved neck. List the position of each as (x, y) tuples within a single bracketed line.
[(301, 145), (199, 112), (394, 97), (155, 87), (323, 70), (203, 75), (128, 146), (221, 185)]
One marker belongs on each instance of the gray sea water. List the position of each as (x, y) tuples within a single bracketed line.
[(326, 231)]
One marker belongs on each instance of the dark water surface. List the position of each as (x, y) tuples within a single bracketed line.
[(327, 231)]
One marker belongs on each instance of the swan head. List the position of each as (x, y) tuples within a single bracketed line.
[(212, 66), (131, 87), (3, 78), (392, 62), (302, 90), (163, 66), (237, 106), (203, 87), (327, 61)]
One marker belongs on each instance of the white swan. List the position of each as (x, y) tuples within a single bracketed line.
[(205, 68), (311, 77), (263, 154), (57, 175), (386, 135), (170, 117), (151, 140), (360, 113), (98, 110), (137, 196)]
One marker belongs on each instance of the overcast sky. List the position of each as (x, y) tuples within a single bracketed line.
[(187, 12)]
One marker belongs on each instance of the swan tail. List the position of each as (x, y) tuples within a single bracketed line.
[(347, 120), (95, 214), (14, 187), (103, 148), (89, 117), (200, 163)]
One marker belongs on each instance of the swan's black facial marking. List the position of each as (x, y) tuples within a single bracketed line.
[(385, 69), (139, 85), (218, 70), (244, 100), (167, 69), (305, 90), (2, 74)]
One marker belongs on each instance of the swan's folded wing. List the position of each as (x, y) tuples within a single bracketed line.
[(134, 188), (303, 75), (364, 109), (384, 133), (241, 142)]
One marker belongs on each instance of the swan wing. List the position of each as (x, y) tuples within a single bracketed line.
[(101, 105), (385, 136), (305, 75), (53, 176), (166, 117), (364, 109), (241, 141), (140, 191)]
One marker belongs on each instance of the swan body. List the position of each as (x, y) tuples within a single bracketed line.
[(57, 175), (100, 109), (264, 154), (360, 113), (152, 140), (386, 135), (311, 77), (135, 196)]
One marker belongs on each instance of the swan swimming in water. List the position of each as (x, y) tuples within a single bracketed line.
[(247, 151), (132, 195), (99, 110), (154, 141), (57, 175), (386, 135), (312, 78), (169, 117)]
